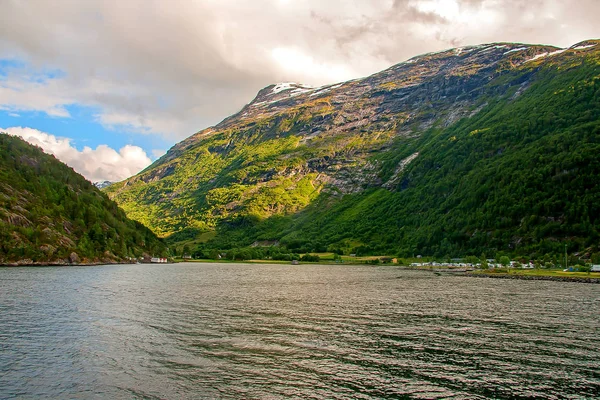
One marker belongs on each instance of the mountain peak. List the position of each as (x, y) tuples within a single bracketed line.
[(280, 91), (280, 87)]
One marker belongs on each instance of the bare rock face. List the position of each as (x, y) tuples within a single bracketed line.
[(48, 249), (74, 258)]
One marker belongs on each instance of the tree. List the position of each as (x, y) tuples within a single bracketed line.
[(505, 261), (471, 260), (310, 258)]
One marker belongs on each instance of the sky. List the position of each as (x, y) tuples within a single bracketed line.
[(107, 86)]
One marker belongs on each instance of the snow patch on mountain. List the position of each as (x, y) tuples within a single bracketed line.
[(280, 87), (515, 50), (102, 184), (583, 47), (541, 55)]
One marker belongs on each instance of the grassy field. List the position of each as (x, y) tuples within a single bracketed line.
[(193, 243), (226, 261), (350, 259)]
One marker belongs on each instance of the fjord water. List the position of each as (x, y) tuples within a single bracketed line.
[(280, 331)]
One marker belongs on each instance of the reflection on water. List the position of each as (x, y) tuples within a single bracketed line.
[(278, 331)]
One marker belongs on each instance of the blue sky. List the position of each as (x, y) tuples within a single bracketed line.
[(82, 128), (108, 85), (41, 104)]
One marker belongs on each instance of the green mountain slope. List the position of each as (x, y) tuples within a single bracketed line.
[(479, 149), (51, 214)]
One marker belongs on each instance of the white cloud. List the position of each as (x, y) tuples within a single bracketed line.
[(21, 92), (174, 68), (99, 164), (298, 64)]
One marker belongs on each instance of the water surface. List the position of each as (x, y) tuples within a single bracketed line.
[(280, 331)]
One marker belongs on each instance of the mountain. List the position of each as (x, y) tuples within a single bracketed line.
[(51, 214), (102, 184), (477, 149)]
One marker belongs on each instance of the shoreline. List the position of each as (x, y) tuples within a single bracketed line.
[(446, 272), (24, 263), (575, 279)]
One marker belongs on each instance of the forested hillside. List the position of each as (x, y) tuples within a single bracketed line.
[(51, 214), (474, 150), (520, 176)]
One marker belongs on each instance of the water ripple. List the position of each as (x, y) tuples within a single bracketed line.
[(276, 331)]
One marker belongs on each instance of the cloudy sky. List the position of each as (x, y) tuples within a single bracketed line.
[(108, 85)]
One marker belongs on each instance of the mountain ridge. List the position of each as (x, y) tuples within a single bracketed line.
[(530, 49)]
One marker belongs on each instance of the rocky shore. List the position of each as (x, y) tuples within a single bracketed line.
[(59, 263), (72, 260)]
